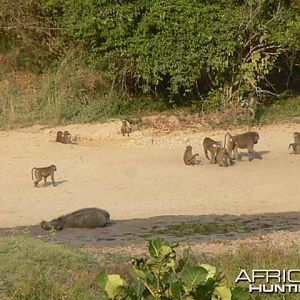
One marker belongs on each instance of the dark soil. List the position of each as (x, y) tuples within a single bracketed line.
[(174, 228)]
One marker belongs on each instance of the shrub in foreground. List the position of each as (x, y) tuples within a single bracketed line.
[(162, 276)]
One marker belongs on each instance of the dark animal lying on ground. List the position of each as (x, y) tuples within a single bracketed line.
[(82, 218)]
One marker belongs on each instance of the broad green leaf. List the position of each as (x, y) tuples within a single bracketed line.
[(192, 276), (223, 293), (114, 282), (154, 247), (210, 269)]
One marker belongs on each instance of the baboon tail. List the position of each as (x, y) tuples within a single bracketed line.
[(226, 134), (32, 172)]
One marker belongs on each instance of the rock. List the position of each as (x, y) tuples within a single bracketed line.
[(173, 120)]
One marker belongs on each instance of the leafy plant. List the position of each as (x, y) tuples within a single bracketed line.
[(161, 276)]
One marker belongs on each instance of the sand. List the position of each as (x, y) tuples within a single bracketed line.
[(143, 175)]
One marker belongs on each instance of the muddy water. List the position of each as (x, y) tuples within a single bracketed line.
[(173, 228)]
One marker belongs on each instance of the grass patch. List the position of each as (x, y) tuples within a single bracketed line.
[(285, 109), (32, 269), (74, 93), (193, 228), (71, 94), (249, 257)]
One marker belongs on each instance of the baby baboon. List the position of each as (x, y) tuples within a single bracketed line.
[(243, 141), (40, 173), (296, 144), (59, 137), (212, 146), (67, 137), (82, 218), (189, 158), (126, 128), (223, 157)]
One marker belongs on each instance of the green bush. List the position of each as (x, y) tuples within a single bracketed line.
[(185, 47), (161, 276), (205, 54)]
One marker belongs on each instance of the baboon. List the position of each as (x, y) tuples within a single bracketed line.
[(126, 128), (59, 137), (82, 218), (67, 137), (296, 144), (251, 105), (64, 138), (40, 173), (296, 137), (222, 156), (296, 148), (189, 158), (211, 146), (243, 141)]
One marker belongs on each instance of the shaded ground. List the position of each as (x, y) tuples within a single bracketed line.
[(173, 228)]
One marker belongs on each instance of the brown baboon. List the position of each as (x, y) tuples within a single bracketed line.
[(59, 137), (40, 173), (296, 144), (222, 157), (243, 141), (64, 137), (211, 146), (251, 105), (67, 137), (126, 128), (296, 148), (82, 218), (297, 137), (189, 158)]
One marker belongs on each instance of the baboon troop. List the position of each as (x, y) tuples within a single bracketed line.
[(189, 158), (126, 128), (245, 140), (40, 173), (82, 218), (224, 155), (63, 137), (296, 144), (214, 151)]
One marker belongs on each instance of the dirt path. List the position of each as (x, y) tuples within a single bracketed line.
[(142, 176)]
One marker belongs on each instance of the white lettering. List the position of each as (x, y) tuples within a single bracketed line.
[(240, 278)]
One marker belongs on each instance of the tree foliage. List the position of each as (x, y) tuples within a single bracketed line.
[(185, 49)]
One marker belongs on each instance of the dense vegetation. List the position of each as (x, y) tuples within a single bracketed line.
[(101, 57), (31, 269)]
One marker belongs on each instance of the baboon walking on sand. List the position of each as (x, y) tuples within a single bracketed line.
[(245, 140), (40, 173)]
